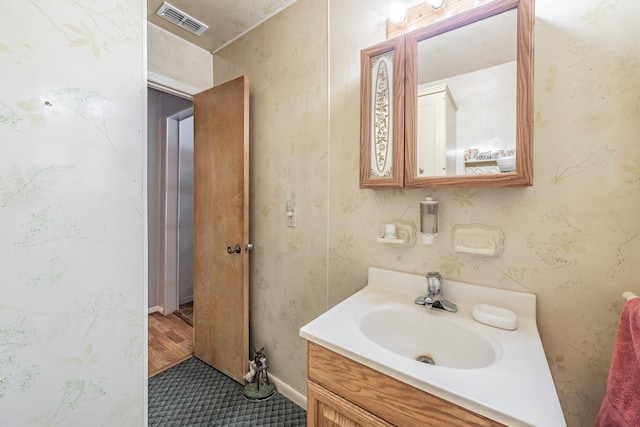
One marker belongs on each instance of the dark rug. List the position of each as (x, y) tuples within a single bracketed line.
[(185, 312), (192, 393)]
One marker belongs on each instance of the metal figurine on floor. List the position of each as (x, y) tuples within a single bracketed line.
[(258, 386)]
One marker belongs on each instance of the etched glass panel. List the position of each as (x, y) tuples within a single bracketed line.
[(382, 116)]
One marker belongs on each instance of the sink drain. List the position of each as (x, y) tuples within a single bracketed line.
[(426, 358)]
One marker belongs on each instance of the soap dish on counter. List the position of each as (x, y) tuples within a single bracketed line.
[(497, 317)]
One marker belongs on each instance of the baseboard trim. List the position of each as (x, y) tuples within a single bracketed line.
[(289, 392), (156, 309)]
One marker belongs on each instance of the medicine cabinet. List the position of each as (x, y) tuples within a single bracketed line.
[(446, 104)]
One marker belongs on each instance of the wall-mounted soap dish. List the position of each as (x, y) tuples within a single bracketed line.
[(405, 230), (478, 240), (403, 238)]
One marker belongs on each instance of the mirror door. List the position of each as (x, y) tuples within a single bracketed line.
[(469, 99)]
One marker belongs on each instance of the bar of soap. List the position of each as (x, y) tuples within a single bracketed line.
[(495, 316)]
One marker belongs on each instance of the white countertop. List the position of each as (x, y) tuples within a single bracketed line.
[(517, 389)]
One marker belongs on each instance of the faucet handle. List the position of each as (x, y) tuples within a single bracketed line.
[(434, 282)]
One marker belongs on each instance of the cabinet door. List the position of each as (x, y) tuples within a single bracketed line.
[(371, 392), (382, 115), (326, 409)]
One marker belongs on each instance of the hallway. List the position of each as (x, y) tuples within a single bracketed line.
[(170, 342)]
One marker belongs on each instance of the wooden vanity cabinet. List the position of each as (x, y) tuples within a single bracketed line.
[(345, 393), (326, 409)]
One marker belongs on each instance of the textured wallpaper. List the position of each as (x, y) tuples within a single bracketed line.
[(72, 333), (571, 239)]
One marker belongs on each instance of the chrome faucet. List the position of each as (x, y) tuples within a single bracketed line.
[(434, 298)]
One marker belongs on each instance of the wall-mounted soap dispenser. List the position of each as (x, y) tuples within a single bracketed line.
[(428, 220)]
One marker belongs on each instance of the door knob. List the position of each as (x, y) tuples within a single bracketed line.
[(234, 250), (248, 247)]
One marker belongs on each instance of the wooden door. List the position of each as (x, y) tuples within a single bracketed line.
[(221, 227)]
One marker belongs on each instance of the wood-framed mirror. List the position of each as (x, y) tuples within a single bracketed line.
[(382, 115), (476, 150)]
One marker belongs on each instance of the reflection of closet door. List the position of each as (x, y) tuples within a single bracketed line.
[(436, 132), (221, 224), (427, 150)]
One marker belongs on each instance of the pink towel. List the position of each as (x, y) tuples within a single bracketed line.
[(621, 403)]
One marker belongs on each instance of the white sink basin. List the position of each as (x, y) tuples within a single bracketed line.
[(501, 374), (414, 332)]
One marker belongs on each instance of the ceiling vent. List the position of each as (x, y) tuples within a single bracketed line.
[(178, 17)]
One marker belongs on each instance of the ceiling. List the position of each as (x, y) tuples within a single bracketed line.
[(227, 19)]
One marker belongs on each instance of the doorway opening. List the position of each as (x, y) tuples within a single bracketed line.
[(170, 222), (220, 266)]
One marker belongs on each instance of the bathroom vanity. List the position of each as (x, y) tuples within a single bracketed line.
[(343, 392), (365, 364)]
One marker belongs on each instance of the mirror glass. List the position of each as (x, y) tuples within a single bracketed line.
[(466, 99)]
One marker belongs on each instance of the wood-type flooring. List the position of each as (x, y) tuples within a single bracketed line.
[(170, 342)]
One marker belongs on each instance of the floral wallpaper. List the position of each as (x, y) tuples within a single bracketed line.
[(72, 328), (572, 239)]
